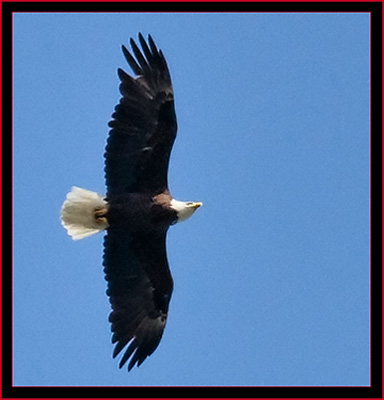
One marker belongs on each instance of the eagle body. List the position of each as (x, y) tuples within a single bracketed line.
[(138, 208), (141, 211)]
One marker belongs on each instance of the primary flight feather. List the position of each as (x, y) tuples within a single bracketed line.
[(138, 208)]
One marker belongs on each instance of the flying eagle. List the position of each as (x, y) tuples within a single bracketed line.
[(138, 208)]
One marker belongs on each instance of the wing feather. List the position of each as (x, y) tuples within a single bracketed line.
[(131, 61), (139, 288), (145, 70), (143, 125), (147, 52)]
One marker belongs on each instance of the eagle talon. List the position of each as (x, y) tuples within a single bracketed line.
[(100, 216)]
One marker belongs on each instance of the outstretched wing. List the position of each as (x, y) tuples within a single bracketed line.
[(139, 287), (143, 126)]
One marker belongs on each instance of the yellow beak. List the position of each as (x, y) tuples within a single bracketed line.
[(196, 205)]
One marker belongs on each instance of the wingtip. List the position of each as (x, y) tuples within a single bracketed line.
[(122, 74), (152, 44), (140, 36), (125, 50)]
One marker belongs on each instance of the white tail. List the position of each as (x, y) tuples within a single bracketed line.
[(78, 213)]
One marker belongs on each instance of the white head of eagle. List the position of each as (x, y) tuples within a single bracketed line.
[(138, 207)]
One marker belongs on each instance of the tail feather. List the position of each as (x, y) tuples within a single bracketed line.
[(78, 213)]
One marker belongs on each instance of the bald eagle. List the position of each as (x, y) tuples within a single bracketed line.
[(138, 207)]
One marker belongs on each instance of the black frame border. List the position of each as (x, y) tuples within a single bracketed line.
[(373, 391)]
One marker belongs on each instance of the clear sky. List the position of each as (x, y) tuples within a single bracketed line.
[(272, 273)]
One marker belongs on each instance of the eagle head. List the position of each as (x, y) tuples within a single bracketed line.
[(184, 209)]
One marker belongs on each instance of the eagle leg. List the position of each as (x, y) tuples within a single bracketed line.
[(101, 216)]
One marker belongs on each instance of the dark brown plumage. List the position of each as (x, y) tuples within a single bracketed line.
[(143, 126), (138, 208), (136, 166)]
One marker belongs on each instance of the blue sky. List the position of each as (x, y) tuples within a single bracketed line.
[(272, 273)]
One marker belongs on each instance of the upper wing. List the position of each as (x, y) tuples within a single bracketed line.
[(143, 126), (139, 287)]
